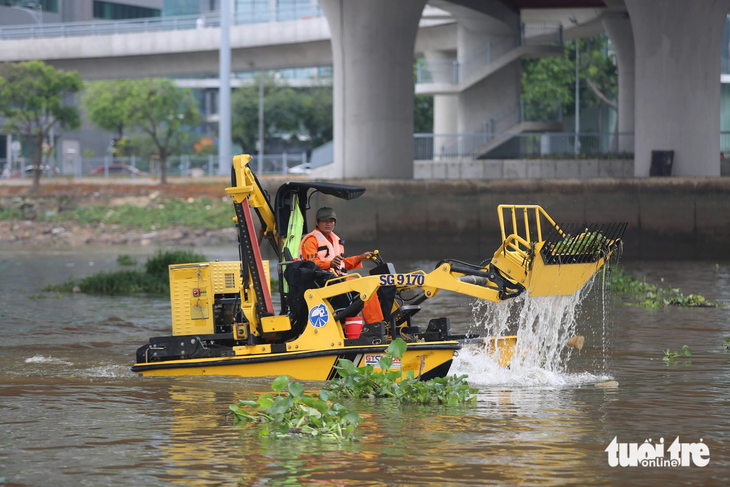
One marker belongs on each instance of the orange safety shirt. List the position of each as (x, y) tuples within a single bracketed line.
[(321, 250)]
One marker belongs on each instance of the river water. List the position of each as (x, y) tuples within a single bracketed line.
[(72, 414)]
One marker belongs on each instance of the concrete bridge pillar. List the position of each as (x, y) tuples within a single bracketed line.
[(372, 50), (445, 107), (678, 48), (618, 27)]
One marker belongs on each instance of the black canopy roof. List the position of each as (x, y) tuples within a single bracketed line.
[(283, 201)]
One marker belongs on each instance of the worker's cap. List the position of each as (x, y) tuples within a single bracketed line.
[(326, 213)]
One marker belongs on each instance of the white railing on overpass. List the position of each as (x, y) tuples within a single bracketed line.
[(158, 24), (500, 121), (523, 145), (451, 71)]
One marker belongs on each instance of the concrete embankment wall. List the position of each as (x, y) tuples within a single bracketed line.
[(684, 218)]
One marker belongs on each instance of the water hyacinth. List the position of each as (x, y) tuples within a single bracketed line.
[(293, 413), (367, 382), (652, 296)]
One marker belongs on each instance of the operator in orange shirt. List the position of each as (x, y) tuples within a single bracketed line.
[(323, 247)]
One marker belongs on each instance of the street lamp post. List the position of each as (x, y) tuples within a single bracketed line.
[(224, 93)]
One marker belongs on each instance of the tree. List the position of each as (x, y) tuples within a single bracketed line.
[(105, 104), (165, 113), (161, 111), (547, 80), (315, 114), (422, 114), (32, 98), (422, 108), (601, 74), (287, 110)]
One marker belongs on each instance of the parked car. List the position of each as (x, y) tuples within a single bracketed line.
[(118, 168), (45, 171)]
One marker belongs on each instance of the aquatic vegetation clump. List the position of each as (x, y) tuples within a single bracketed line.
[(585, 243), (670, 357), (652, 296), (367, 382), (292, 413), (153, 279), (126, 260), (157, 265)]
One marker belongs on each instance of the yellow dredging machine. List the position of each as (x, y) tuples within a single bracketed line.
[(224, 321)]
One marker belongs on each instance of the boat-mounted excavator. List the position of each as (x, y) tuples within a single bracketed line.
[(223, 316)]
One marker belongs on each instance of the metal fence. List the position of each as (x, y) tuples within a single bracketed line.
[(451, 71), (495, 49), (541, 34), (133, 167), (157, 24), (521, 146), (437, 71)]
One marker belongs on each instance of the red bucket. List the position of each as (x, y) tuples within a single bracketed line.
[(353, 327)]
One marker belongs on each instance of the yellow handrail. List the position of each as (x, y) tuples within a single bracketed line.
[(525, 211), (516, 254)]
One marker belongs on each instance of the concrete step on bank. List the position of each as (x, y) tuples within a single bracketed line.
[(530, 169)]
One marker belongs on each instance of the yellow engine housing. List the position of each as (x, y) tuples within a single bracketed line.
[(193, 288)]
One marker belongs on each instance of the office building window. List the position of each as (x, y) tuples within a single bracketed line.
[(117, 11), (46, 5), (173, 8)]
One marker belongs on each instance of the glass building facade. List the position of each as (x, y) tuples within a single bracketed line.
[(118, 11), (46, 5)]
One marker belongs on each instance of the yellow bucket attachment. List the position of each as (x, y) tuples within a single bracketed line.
[(559, 262)]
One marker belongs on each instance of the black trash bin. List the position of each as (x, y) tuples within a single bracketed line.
[(661, 162)]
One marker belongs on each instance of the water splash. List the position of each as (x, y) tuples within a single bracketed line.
[(40, 359), (542, 326), (604, 319)]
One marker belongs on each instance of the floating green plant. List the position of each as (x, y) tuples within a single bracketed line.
[(584, 243), (292, 413), (367, 382), (126, 260), (670, 357), (652, 296)]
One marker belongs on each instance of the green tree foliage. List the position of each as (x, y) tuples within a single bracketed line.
[(32, 98), (287, 110), (165, 113), (161, 111), (546, 80), (315, 107), (105, 103), (423, 114)]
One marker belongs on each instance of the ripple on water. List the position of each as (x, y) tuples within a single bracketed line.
[(107, 371)]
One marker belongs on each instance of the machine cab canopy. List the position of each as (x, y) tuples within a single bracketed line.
[(291, 205)]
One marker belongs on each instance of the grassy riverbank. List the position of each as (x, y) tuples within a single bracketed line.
[(70, 215), (207, 213)]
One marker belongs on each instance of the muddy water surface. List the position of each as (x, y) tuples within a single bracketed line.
[(71, 412)]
